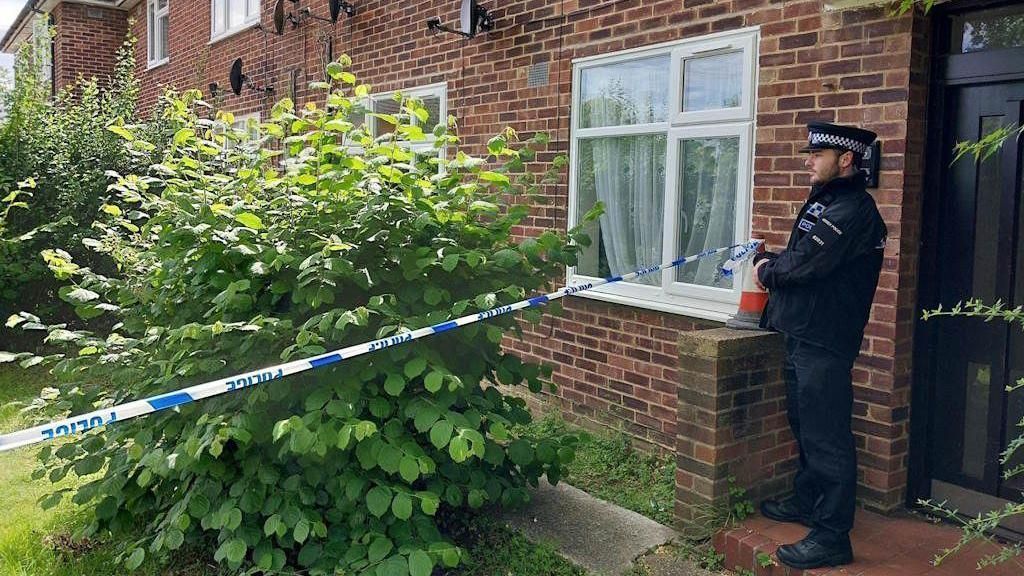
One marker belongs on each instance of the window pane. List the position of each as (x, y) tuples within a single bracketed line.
[(236, 12), (627, 174), (713, 82), (162, 40), (634, 92), (218, 15), (253, 8), (708, 169), (386, 105), (151, 33), (161, 4), (989, 30), (433, 106)]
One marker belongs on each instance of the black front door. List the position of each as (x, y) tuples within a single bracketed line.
[(973, 248)]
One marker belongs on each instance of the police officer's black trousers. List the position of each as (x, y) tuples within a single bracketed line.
[(819, 401)]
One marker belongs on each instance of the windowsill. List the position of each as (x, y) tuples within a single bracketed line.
[(157, 64), (229, 33), (724, 312)]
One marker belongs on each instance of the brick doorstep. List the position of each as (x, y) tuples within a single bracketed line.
[(882, 546)]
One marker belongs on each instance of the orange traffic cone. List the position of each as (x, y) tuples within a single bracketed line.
[(752, 300)]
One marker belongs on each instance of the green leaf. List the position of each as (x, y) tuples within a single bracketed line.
[(271, 525), (429, 502), (234, 550), (415, 367), (249, 220), (378, 499), (394, 384), (494, 177), (458, 449), (335, 70), (135, 559), (409, 469), (389, 459), (401, 506), (182, 135), (433, 381), (301, 531), (174, 538), (440, 434), (77, 295), (420, 563), (520, 452), (123, 133), (379, 549)]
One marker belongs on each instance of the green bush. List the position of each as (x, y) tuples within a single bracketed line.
[(62, 143), (232, 255)]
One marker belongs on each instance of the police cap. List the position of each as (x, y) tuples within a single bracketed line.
[(825, 136)]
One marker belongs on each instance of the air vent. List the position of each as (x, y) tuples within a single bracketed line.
[(538, 75)]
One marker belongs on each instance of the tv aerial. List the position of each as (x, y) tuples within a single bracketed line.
[(472, 18), (336, 8), (240, 80)]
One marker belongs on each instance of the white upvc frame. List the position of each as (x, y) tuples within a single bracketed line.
[(439, 89), (741, 228), (675, 297), (252, 18), (746, 44), (155, 34)]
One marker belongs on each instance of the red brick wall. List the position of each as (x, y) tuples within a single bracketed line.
[(614, 364), (86, 42)]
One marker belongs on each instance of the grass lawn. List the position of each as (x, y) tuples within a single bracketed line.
[(36, 542), (608, 467)]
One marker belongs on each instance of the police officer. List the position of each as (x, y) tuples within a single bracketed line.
[(820, 291)]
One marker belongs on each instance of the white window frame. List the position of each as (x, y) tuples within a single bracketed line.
[(154, 33), (252, 18), (440, 90), (670, 296)]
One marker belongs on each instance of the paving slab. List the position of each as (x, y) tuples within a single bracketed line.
[(599, 536)]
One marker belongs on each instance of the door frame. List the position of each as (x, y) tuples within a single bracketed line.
[(946, 73)]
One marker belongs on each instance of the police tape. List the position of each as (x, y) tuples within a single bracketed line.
[(120, 412)]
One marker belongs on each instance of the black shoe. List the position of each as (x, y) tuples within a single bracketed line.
[(785, 511), (808, 554)]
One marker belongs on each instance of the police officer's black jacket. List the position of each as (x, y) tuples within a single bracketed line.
[(821, 286)]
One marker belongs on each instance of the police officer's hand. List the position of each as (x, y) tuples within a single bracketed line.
[(757, 268)]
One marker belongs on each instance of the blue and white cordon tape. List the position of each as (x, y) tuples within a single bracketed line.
[(105, 416)]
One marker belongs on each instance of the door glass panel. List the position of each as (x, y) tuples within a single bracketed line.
[(979, 381), (989, 30), (713, 82), (627, 174), (634, 92), (986, 218), (708, 169)]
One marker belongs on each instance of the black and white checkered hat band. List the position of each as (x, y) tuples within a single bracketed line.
[(838, 141)]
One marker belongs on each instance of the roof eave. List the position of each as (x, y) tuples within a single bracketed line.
[(19, 32)]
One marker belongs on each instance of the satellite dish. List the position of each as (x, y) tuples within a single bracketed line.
[(468, 17), (240, 80), (472, 17), (236, 76), (279, 17)]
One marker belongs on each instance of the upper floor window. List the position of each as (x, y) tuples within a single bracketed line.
[(156, 31), (663, 137), (230, 16)]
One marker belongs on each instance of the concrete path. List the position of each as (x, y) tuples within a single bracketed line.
[(601, 537)]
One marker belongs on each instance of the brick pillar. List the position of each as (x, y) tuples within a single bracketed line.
[(731, 419)]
